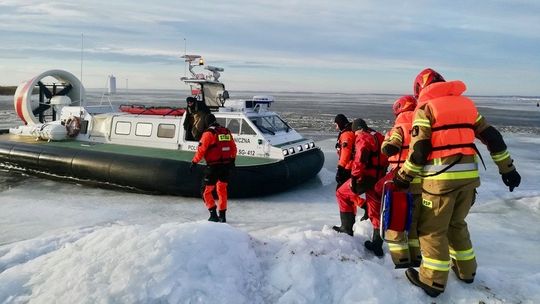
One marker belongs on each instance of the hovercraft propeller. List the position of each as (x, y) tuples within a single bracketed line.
[(46, 105), (65, 90)]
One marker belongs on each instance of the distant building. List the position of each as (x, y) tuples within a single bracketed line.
[(112, 84)]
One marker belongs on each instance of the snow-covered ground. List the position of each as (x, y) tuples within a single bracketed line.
[(64, 243)]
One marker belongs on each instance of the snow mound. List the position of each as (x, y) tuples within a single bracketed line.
[(175, 263)]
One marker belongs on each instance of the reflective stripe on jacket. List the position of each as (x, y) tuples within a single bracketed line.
[(466, 168), (403, 122)]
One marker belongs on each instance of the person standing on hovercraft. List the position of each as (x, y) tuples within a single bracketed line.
[(199, 119), (443, 153), (189, 121), (404, 248), (218, 149)]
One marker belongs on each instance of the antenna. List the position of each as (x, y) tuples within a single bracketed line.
[(81, 101), (185, 53)]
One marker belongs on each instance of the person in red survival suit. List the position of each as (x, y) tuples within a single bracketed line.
[(218, 149), (345, 152), (369, 165), (344, 149)]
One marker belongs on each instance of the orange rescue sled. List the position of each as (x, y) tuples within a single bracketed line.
[(396, 209)]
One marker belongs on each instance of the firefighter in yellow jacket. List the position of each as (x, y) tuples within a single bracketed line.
[(443, 153), (404, 248)]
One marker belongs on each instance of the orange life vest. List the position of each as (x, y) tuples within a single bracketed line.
[(404, 121), (223, 149), (377, 161), (453, 127)]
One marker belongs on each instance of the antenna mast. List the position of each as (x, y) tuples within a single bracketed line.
[(81, 101), (185, 53)]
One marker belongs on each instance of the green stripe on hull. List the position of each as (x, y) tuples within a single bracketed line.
[(134, 150)]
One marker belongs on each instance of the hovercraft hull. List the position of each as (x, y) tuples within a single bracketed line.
[(153, 172)]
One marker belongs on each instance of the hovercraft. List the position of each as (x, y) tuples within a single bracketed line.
[(146, 148)]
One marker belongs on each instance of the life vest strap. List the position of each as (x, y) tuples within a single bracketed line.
[(453, 126), (456, 167), (454, 146), (471, 145), (443, 169)]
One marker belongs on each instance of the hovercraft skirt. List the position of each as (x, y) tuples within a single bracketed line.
[(154, 174)]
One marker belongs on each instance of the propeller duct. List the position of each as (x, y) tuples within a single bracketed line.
[(31, 108)]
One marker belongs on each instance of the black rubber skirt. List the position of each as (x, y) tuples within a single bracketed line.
[(157, 175)]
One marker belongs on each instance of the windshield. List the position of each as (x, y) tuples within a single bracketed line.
[(270, 124)]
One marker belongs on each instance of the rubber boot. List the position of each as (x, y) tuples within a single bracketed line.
[(375, 245), (456, 271), (347, 223), (222, 218), (414, 278), (213, 215)]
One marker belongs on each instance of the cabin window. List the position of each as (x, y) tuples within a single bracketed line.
[(271, 124), (221, 121), (166, 130), (247, 129), (143, 129), (234, 126), (123, 128), (263, 125), (277, 123)]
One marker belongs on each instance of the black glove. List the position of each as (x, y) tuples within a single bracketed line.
[(400, 183), (365, 216), (192, 166), (354, 182), (511, 179), (360, 185), (342, 175)]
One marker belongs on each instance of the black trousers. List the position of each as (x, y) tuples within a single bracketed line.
[(213, 173)]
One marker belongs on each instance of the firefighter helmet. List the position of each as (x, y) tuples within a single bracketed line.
[(425, 78), (403, 104)]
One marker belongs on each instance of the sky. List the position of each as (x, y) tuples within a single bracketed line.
[(67, 243), (278, 45)]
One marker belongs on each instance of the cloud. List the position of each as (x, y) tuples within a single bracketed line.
[(290, 36)]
